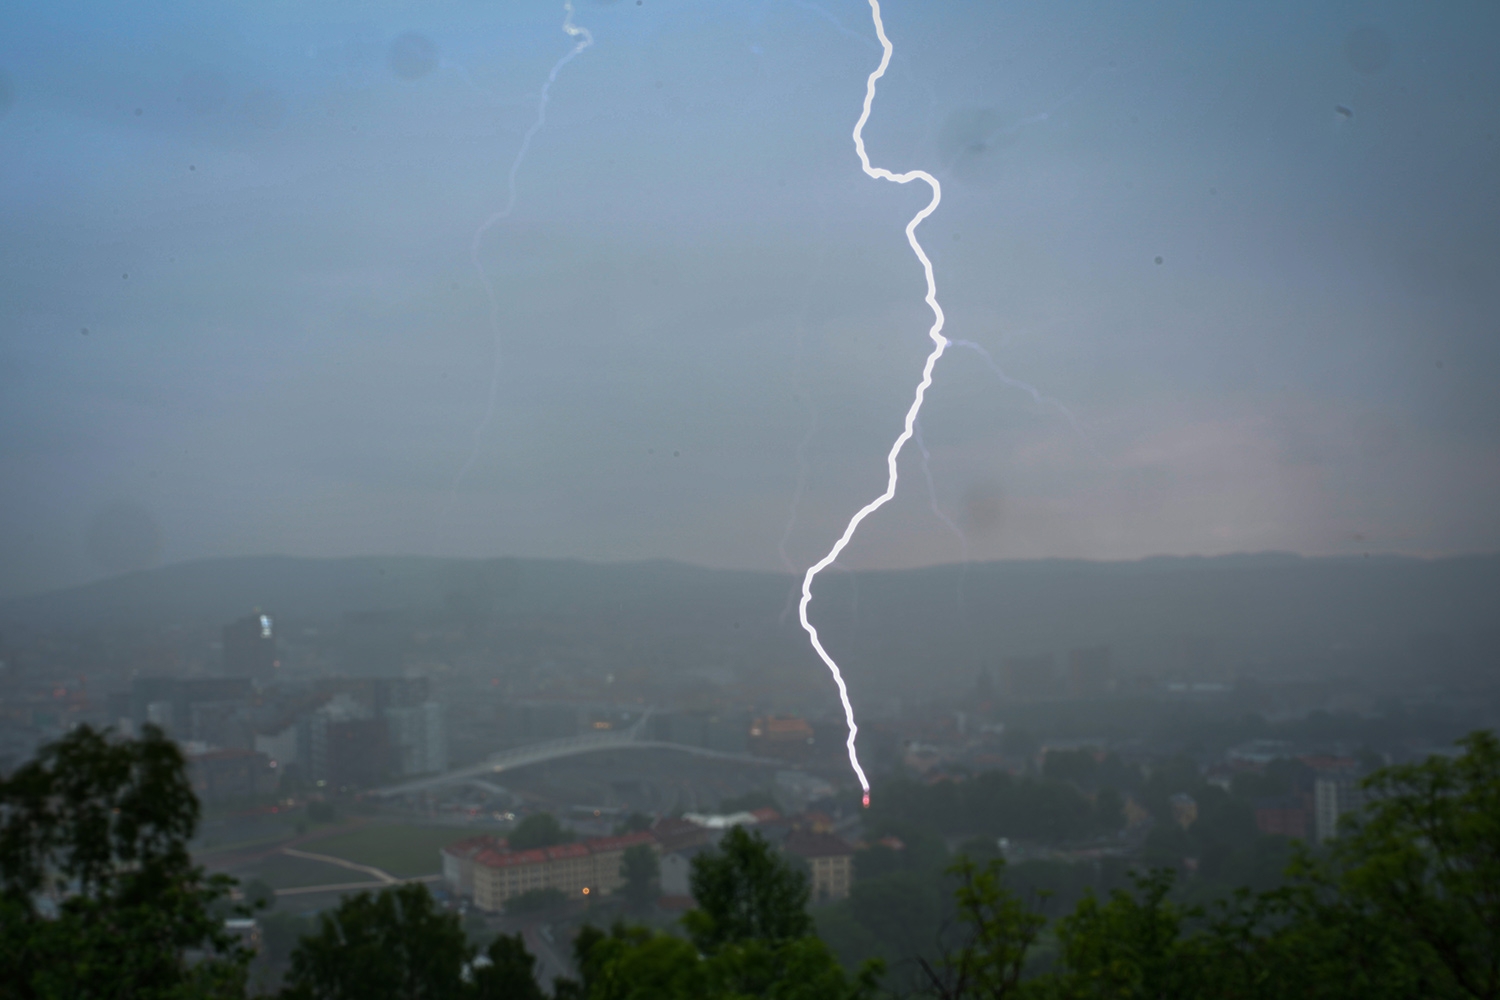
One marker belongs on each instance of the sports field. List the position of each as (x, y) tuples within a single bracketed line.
[(404, 850)]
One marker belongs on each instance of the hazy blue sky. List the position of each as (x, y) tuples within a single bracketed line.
[(1252, 249)]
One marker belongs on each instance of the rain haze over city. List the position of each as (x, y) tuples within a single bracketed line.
[(426, 416)]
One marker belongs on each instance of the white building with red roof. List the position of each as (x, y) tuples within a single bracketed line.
[(488, 871)]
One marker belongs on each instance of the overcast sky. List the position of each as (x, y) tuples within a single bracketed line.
[(1248, 254)]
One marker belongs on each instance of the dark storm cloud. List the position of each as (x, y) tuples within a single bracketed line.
[(704, 307)]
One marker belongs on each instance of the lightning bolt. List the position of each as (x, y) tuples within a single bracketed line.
[(581, 40), (939, 343)]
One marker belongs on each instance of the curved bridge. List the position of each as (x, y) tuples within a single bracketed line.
[(573, 746)]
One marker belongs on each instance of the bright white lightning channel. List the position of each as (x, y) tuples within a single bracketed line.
[(939, 343), (581, 40)]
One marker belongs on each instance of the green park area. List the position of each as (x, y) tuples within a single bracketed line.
[(404, 850)]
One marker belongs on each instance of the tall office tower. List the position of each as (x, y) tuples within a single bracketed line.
[(250, 647)]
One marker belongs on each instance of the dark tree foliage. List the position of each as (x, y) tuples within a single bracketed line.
[(1425, 859), (995, 804), (750, 937), (640, 869), (996, 932), (636, 963), (633, 823), (1128, 946), (1406, 903), (98, 898), (903, 911), (744, 890), (98, 894), (510, 973), (1078, 766), (280, 933), (258, 895), (392, 945), (540, 830)]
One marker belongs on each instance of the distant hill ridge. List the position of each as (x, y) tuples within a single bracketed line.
[(1042, 604)]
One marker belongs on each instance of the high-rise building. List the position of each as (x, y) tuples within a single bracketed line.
[(180, 706), (238, 775), (342, 745), (418, 738), (727, 732), (221, 723), (437, 737), (250, 647)]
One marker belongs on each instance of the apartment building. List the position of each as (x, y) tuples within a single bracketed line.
[(487, 870)]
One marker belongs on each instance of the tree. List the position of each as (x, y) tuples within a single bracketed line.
[(1405, 903), (539, 830), (640, 869), (998, 932), (750, 937), (258, 894), (1125, 947), (633, 823), (99, 827), (801, 968), (1078, 766), (280, 933), (636, 963), (745, 891), (1425, 859), (384, 946), (510, 973)]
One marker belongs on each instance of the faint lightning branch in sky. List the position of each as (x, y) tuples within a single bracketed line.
[(932, 497), (1037, 396), (939, 342), (939, 513), (581, 40)]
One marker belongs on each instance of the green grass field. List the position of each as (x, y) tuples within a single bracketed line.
[(403, 850)]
